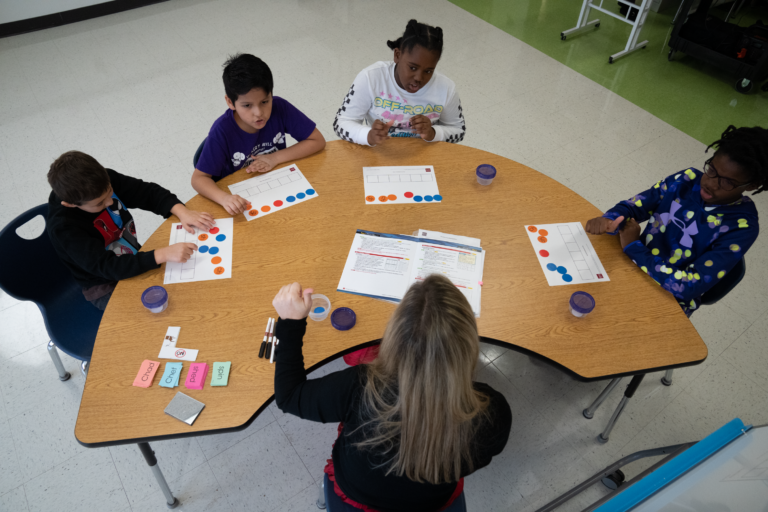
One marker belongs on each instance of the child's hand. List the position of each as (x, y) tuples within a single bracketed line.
[(261, 163), (423, 126), (379, 132), (293, 303), (630, 233), (191, 219), (177, 253), (601, 225), (234, 204)]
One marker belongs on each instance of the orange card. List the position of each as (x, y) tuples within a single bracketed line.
[(146, 373)]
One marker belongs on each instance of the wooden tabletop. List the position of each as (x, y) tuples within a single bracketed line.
[(635, 327)]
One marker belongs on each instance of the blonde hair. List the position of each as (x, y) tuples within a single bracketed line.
[(419, 406)]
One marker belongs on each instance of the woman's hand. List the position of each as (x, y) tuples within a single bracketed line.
[(293, 303)]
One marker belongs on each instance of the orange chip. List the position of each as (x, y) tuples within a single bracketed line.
[(218, 271), (370, 199), (543, 232), (216, 260), (265, 208), (532, 229), (391, 197), (383, 199), (248, 206), (543, 239), (203, 237), (253, 213)]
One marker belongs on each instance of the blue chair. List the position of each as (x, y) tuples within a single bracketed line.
[(198, 153), (31, 270)]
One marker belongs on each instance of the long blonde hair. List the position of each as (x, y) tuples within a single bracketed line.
[(419, 405)]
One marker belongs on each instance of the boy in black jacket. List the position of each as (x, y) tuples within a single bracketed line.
[(93, 232)]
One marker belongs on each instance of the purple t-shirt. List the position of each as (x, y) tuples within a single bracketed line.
[(229, 148)]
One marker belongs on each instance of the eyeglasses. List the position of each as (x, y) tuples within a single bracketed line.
[(726, 184)]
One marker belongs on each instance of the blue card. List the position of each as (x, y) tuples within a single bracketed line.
[(170, 378)]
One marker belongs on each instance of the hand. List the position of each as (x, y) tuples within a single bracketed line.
[(234, 204), (423, 126), (262, 163), (191, 219), (601, 225), (177, 253), (379, 132), (293, 303), (630, 233)]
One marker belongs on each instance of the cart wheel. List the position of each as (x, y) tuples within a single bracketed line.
[(743, 85), (764, 88), (610, 60), (597, 25), (614, 480), (671, 55), (562, 37)]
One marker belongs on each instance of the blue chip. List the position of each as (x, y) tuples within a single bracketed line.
[(418, 199), (301, 195), (203, 248), (428, 199), (290, 199), (567, 278), (221, 238), (551, 266), (310, 192), (318, 309), (438, 197), (562, 270), (214, 250)]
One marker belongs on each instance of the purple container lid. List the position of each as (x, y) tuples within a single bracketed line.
[(154, 297), (582, 302), (486, 172), (343, 319)]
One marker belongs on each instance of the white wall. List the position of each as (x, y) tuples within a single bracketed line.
[(15, 10)]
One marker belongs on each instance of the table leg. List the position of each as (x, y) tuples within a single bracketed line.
[(149, 456), (630, 391), (589, 412), (667, 378)]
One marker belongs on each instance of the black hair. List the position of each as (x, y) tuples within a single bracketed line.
[(748, 147), (78, 178), (426, 36), (243, 72)]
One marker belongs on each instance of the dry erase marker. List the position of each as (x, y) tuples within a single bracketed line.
[(274, 346), (269, 340), (264, 342)]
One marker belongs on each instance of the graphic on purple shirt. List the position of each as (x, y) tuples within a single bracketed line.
[(229, 148)]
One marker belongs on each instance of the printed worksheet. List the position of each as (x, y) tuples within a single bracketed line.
[(565, 253), (273, 191), (401, 185), (211, 260), (383, 266)]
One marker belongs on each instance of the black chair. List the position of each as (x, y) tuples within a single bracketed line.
[(30, 270)]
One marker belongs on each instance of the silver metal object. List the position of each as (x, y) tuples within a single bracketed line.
[(589, 412), (63, 374)]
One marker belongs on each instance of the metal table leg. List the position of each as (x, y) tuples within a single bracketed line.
[(589, 412), (630, 391), (149, 456), (667, 378)]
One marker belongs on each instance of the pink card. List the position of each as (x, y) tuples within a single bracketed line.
[(146, 374), (196, 376)]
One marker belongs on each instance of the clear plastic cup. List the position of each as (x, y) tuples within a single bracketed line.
[(581, 304), (343, 319), (155, 299), (321, 306), (485, 174)]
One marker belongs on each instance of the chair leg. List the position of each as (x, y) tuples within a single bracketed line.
[(589, 412), (84, 365), (667, 378), (321, 498), (630, 391), (63, 374)]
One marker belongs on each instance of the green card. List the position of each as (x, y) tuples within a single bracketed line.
[(220, 374)]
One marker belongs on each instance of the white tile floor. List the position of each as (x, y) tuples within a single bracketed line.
[(139, 90)]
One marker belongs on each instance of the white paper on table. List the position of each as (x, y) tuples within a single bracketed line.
[(169, 350), (445, 237), (274, 191), (211, 260), (401, 185), (565, 254), (384, 266)]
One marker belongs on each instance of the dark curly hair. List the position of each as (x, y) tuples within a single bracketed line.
[(748, 147), (426, 36)]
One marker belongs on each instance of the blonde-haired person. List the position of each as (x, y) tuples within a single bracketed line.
[(414, 424)]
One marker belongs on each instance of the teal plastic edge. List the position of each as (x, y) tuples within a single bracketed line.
[(675, 468)]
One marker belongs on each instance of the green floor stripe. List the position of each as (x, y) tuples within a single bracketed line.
[(691, 96)]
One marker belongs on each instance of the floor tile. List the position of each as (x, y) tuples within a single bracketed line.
[(11, 475), (312, 441), (15, 500), (197, 490), (23, 329), (302, 502), (215, 444)]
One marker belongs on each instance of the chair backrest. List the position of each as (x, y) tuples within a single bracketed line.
[(726, 284), (198, 153), (30, 269)]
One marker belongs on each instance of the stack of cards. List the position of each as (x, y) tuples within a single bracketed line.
[(184, 408), (170, 378)]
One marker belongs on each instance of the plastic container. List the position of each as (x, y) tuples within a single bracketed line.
[(155, 299), (485, 174), (321, 306), (581, 304), (343, 319)]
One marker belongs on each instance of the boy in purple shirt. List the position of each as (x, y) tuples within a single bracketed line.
[(251, 134)]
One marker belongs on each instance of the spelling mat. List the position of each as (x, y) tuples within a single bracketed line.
[(565, 254), (211, 260), (398, 185), (273, 191)]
